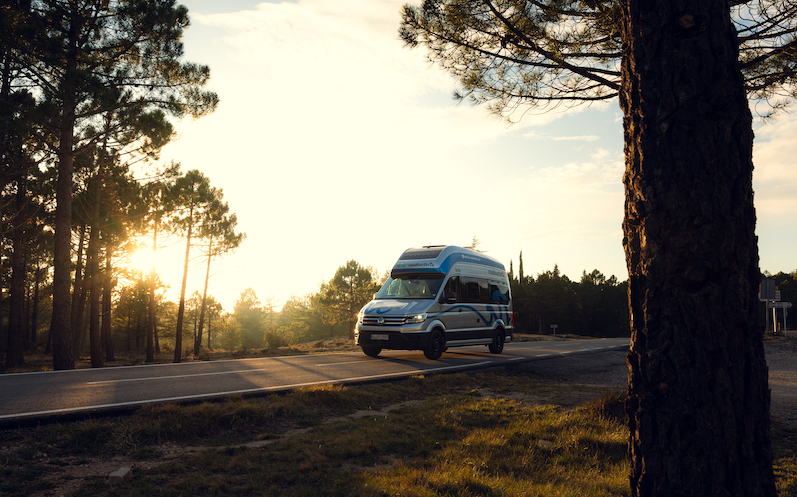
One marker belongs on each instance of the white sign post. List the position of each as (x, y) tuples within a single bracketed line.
[(775, 306), (553, 327)]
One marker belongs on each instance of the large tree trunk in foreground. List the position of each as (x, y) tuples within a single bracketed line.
[(698, 401)]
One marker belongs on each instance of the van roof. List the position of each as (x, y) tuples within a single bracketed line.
[(440, 259)]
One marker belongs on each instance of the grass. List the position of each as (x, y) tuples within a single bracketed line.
[(784, 446), (443, 435), (469, 434)]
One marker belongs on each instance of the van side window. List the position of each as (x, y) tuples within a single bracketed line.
[(452, 285), (499, 294), (471, 291), (475, 291)]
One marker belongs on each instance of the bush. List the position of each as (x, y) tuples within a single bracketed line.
[(275, 340)]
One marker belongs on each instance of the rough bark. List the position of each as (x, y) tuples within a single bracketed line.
[(698, 401), (60, 326)]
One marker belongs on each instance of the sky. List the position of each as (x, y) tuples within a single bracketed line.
[(333, 142)]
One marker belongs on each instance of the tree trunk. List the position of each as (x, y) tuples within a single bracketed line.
[(34, 318), (152, 305), (178, 339), (76, 310), (79, 330), (16, 313), (60, 325), (93, 270), (698, 402), (198, 342), (157, 340), (63, 357), (93, 261), (30, 339), (209, 346), (5, 92), (129, 328), (107, 340)]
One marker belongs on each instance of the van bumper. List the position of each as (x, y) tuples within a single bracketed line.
[(390, 339)]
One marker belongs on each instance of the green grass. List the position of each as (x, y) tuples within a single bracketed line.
[(784, 447), (461, 435)]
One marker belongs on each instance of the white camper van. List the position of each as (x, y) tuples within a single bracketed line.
[(438, 297)]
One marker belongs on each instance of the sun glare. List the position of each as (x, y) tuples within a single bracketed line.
[(168, 265), (143, 260)]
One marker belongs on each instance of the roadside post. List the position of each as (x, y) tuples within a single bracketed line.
[(769, 293), (779, 305), (553, 327), (766, 293)]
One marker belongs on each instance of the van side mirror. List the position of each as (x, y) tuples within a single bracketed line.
[(450, 298)]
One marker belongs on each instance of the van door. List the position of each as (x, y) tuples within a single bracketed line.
[(453, 315), (474, 293)]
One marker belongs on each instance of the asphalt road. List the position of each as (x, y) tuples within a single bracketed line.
[(30, 398)]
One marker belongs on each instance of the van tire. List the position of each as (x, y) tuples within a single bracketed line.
[(437, 344), (372, 351), (498, 342)]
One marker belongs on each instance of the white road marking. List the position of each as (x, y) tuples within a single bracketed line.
[(238, 392), (340, 363), (176, 376)]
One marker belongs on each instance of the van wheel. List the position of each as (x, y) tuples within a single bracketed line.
[(372, 351), (498, 343), (434, 349)]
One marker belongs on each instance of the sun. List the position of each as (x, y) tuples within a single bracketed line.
[(143, 260), (168, 263)]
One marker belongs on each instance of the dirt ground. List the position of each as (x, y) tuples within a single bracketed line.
[(782, 363), (608, 368)]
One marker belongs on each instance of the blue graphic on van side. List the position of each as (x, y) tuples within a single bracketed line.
[(495, 314), (445, 266)]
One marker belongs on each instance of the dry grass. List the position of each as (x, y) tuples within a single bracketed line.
[(438, 435)]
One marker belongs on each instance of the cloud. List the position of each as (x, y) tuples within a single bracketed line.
[(587, 138), (534, 135), (775, 176)]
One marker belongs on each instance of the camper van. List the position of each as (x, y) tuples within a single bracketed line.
[(438, 297)]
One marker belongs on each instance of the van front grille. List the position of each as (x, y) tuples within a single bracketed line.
[(383, 321)]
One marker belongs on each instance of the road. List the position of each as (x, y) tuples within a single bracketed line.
[(30, 398)]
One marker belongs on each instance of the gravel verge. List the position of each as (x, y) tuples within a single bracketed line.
[(608, 369)]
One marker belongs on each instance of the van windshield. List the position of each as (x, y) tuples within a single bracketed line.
[(411, 286)]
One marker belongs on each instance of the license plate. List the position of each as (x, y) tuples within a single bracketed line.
[(379, 336)]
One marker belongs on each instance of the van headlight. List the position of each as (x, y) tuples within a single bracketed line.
[(415, 318), (360, 317)]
